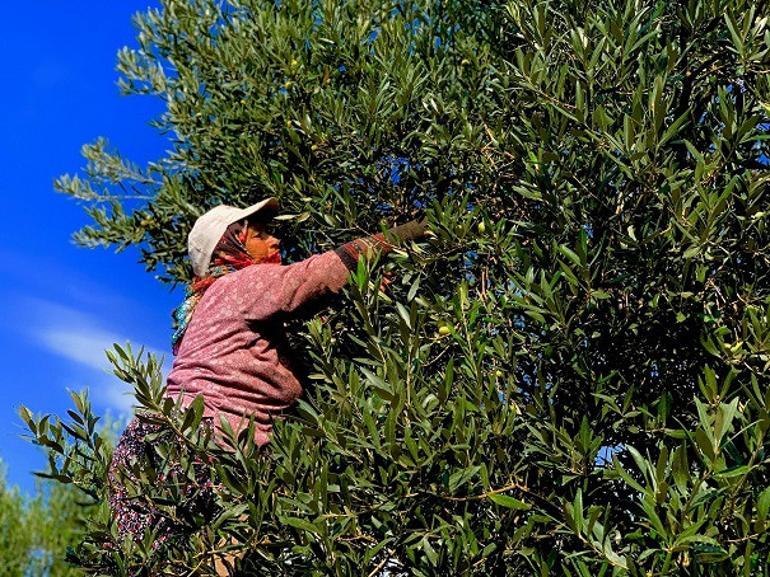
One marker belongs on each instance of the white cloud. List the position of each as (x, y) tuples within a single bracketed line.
[(117, 395), (79, 338), (82, 344), (72, 283)]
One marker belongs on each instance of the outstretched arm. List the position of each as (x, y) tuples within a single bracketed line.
[(275, 289), (350, 251)]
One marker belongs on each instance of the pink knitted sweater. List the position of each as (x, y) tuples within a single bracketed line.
[(234, 351)]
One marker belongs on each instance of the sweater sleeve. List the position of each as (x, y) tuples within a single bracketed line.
[(266, 290)]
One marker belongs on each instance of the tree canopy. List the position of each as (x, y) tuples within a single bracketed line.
[(569, 377)]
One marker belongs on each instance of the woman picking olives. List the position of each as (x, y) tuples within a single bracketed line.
[(229, 344)]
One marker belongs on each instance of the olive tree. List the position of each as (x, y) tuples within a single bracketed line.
[(567, 377)]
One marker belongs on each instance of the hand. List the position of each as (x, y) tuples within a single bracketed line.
[(410, 230)]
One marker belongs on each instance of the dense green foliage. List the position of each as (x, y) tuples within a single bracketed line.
[(568, 378), (36, 531)]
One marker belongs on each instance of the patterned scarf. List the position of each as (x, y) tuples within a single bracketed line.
[(229, 256)]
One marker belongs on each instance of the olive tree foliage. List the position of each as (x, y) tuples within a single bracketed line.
[(567, 377), (36, 530)]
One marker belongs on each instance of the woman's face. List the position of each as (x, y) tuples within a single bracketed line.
[(260, 244)]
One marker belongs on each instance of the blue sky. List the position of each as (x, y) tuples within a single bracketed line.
[(63, 304)]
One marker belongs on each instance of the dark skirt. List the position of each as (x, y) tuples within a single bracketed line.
[(133, 514)]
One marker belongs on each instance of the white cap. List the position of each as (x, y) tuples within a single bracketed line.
[(209, 228)]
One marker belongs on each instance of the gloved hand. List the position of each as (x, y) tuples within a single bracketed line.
[(409, 231), (350, 251)]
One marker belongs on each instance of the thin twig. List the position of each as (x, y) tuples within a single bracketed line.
[(382, 563)]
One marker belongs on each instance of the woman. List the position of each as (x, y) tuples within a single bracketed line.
[(229, 341)]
